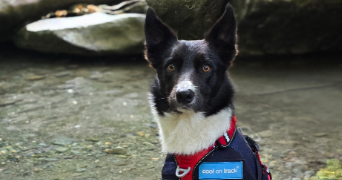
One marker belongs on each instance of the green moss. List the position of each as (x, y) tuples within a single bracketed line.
[(332, 171)]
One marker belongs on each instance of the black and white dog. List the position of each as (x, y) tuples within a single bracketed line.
[(191, 100)]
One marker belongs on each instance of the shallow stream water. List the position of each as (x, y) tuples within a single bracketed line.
[(68, 118)]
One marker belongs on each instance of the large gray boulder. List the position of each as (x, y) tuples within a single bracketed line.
[(264, 26), (14, 13), (93, 34)]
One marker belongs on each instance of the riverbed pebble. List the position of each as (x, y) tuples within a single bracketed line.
[(298, 172), (63, 141), (33, 77), (62, 74), (81, 170), (61, 149), (115, 151)]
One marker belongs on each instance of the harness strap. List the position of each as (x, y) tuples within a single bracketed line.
[(266, 174), (224, 140)]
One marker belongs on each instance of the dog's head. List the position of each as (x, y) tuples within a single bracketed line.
[(191, 74)]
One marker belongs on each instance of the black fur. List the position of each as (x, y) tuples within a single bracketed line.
[(214, 90)]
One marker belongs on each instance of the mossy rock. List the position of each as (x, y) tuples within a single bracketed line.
[(264, 27), (190, 18), (289, 27)]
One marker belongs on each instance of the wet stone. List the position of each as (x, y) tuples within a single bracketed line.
[(287, 142), (308, 174), (119, 151), (61, 149), (7, 171), (153, 126), (30, 135), (148, 143), (37, 169), (78, 147), (63, 141), (320, 134), (298, 172), (62, 74), (66, 86), (104, 80), (42, 144), (2, 91), (121, 163), (140, 133), (92, 139), (75, 152), (48, 159), (33, 77), (81, 170), (7, 102)]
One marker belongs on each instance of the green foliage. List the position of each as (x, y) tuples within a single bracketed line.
[(332, 171)]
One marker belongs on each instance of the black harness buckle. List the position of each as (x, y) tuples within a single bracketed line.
[(252, 143)]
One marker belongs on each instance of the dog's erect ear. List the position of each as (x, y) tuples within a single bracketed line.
[(159, 37), (222, 36)]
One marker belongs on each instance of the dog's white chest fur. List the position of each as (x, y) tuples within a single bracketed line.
[(191, 132)]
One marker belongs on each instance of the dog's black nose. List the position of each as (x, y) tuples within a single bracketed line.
[(185, 96)]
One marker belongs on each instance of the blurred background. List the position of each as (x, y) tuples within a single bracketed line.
[(74, 84)]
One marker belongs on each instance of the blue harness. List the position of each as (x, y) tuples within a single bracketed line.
[(239, 159)]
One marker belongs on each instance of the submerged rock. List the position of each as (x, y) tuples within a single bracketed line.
[(81, 170), (93, 34), (33, 77), (63, 141), (61, 149), (119, 151)]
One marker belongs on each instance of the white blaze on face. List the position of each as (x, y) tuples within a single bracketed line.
[(185, 85)]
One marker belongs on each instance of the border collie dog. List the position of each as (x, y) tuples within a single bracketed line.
[(191, 100)]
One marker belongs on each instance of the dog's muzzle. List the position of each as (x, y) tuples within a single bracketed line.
[(185, 97)]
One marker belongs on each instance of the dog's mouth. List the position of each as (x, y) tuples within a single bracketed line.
[(179, 107), (183, 107)]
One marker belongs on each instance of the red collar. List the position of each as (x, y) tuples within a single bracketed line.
[(186, 161)]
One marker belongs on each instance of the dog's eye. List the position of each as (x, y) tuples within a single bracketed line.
[(171, 67), (206, 68)]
